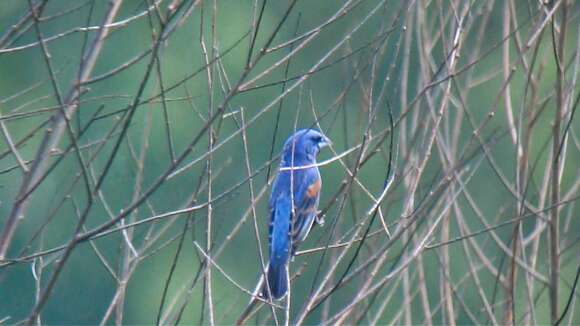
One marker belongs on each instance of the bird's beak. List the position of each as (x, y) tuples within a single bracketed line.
[(325, 142)]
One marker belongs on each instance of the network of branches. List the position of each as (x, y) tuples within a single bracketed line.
[(141, 139)]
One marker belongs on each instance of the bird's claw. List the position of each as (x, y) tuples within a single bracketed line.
[(319, 219)]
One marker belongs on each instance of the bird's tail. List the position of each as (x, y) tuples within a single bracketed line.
[(277, 280)]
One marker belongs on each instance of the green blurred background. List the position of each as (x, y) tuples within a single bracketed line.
[(85, 288)]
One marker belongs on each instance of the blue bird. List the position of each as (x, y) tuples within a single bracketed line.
[(293, 204)]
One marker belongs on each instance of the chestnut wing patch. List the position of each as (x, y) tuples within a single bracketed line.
[(314, 188)]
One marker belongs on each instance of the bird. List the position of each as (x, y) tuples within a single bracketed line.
[(293, 205)]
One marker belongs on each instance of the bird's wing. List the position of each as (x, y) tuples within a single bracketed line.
[(279, 188), (279, 230), (306, 200)]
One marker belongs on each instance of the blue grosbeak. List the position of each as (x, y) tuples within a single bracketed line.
[(298, 182)]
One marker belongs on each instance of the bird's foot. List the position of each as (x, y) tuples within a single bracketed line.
[(319, 219)]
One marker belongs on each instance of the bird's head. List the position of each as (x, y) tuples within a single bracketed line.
[(305, 145)]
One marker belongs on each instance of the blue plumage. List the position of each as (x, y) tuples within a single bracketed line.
[(298, 182)]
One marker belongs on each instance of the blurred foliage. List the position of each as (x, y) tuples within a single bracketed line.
[(85, 288)]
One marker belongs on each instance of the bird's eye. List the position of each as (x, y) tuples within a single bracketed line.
[(317, 139)]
